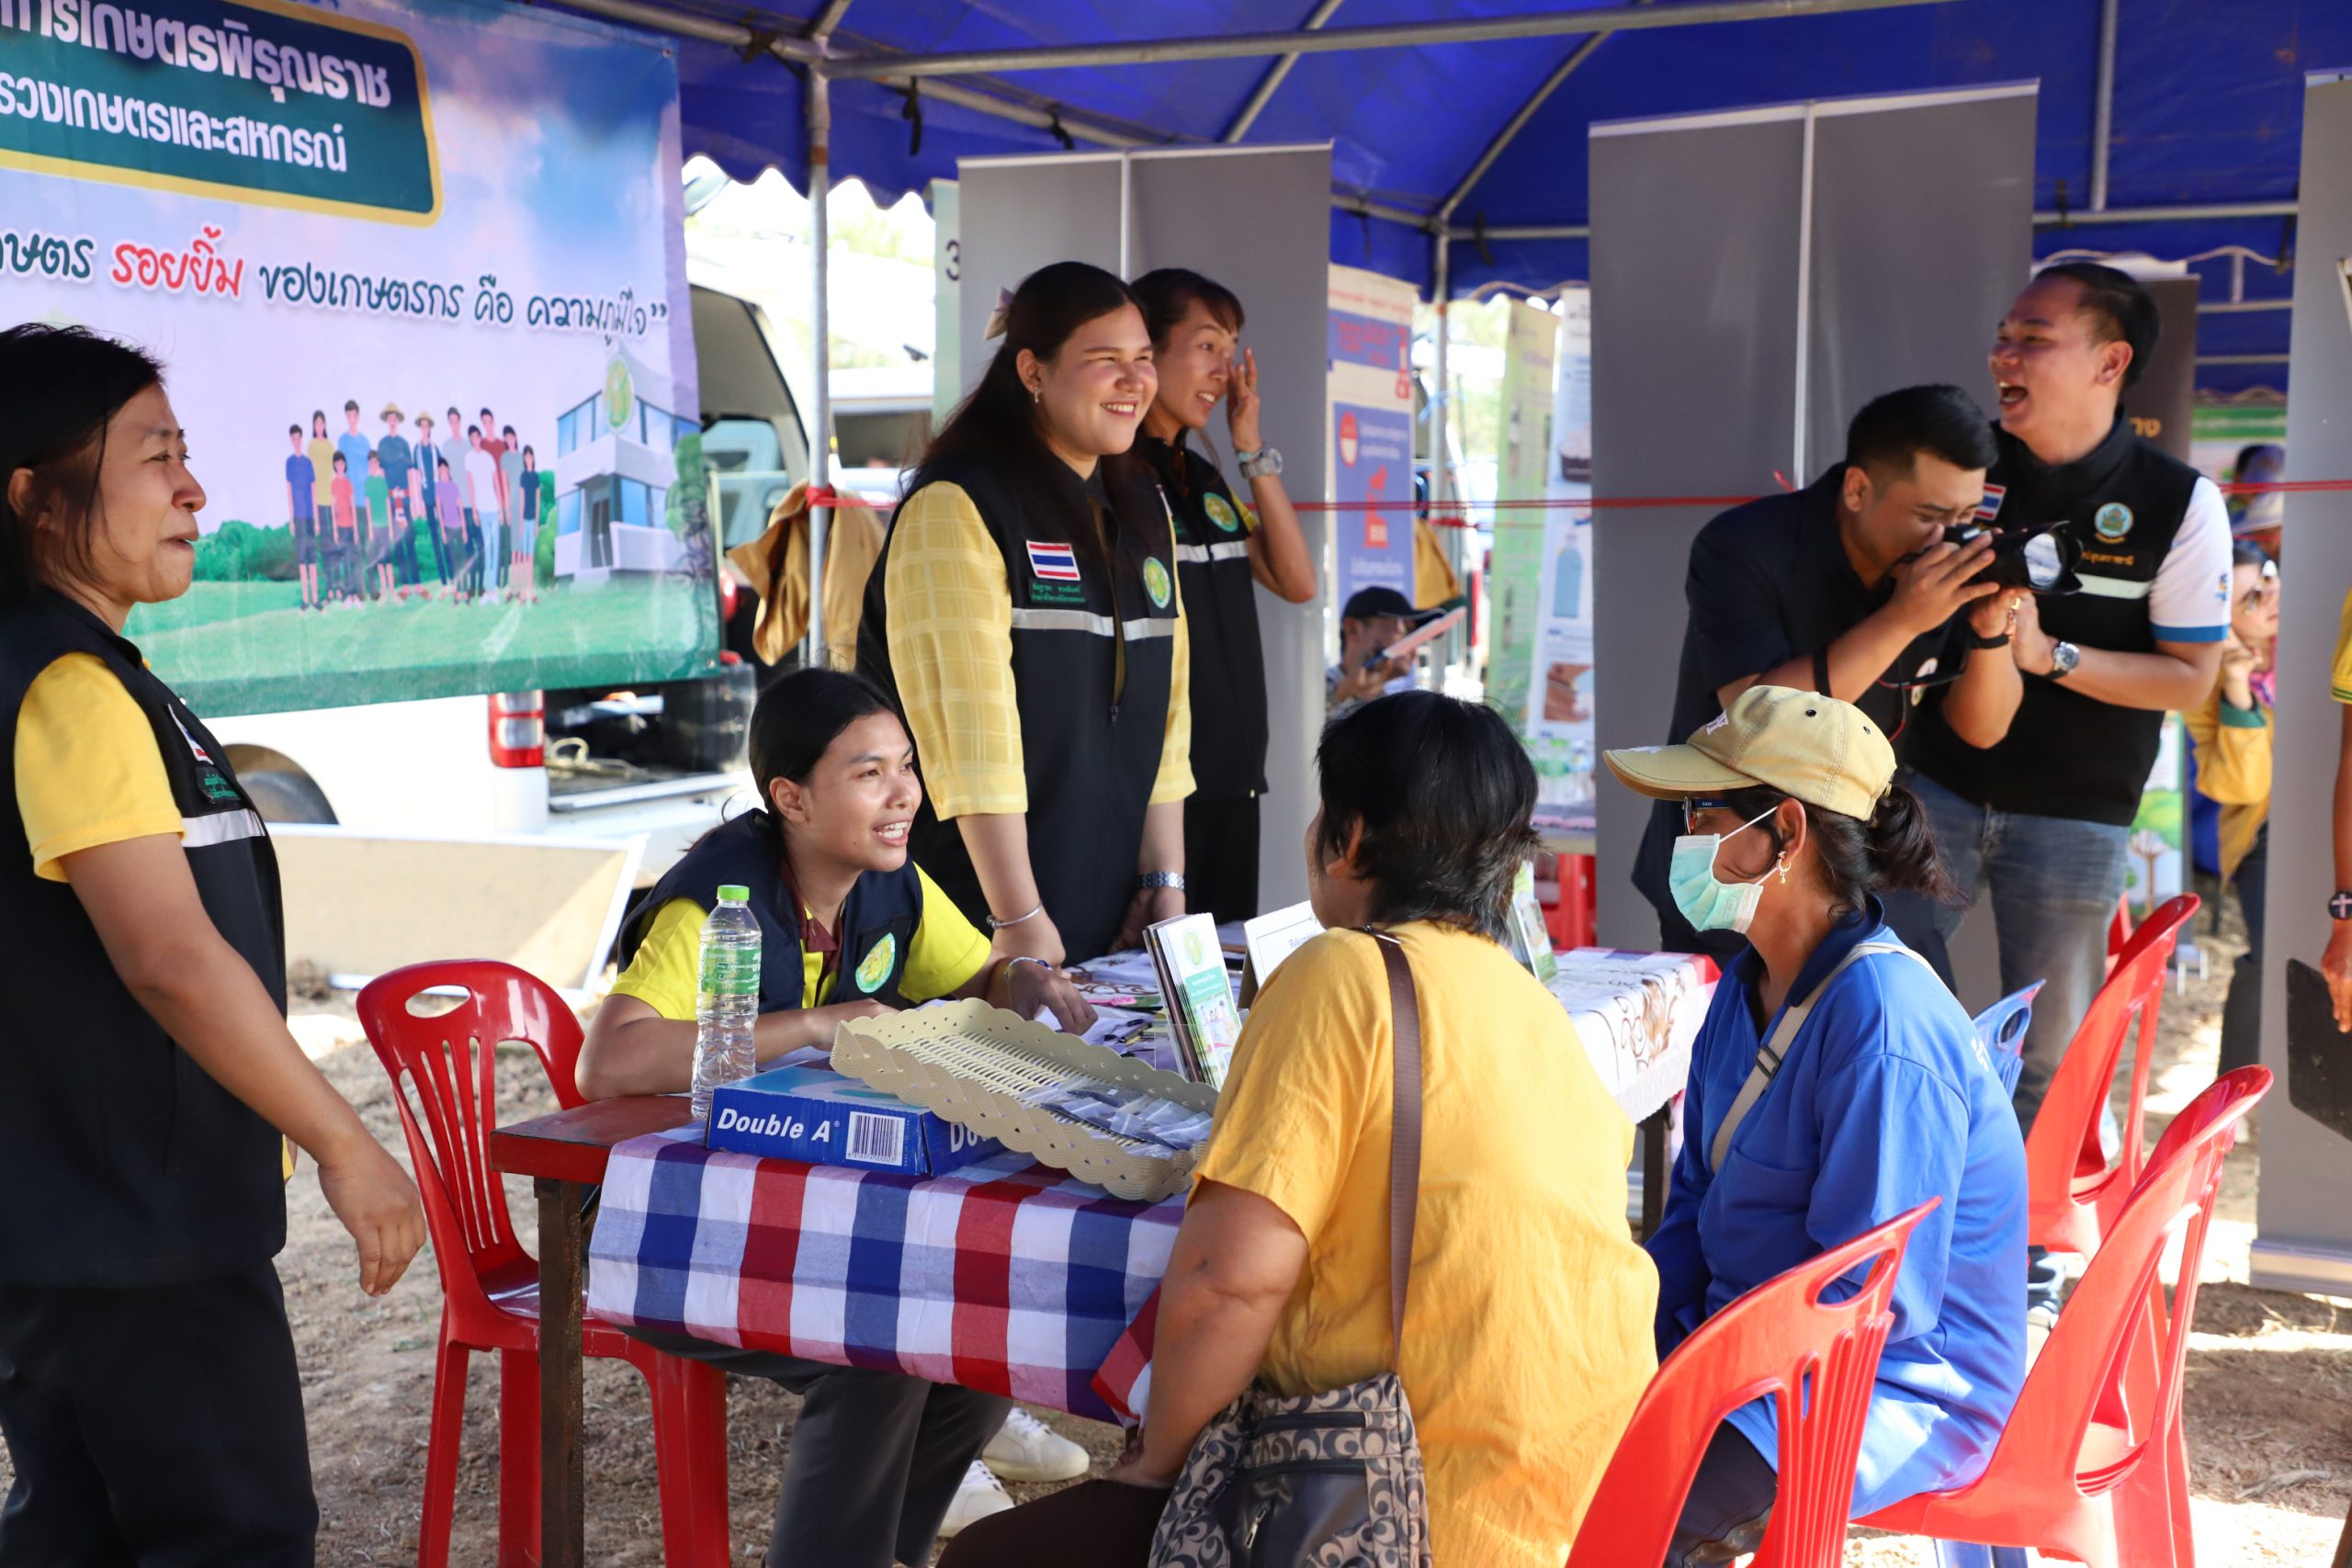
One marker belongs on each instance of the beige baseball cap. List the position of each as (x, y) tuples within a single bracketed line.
[(1826, 752)]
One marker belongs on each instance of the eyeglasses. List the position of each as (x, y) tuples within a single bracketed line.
[(1693, 804), (2263, 593)]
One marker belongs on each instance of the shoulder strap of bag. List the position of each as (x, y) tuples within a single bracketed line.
[(1768, 1055), (1404, 1132)]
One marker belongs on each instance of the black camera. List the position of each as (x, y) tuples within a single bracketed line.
[(2040, 559)]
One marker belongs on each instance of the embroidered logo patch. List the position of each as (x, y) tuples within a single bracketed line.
[(1220, 513), (1990, 507), (1053, 563), (2112, 521), (1155, 582), (875, 967)]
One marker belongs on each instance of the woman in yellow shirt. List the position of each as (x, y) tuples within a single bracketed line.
[(2232, 736), (849, 928), (1527, 1333), (148, 1084)]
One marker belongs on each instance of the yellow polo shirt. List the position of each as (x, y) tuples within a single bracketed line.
[(2340, 682), (946, 952), (1528, 1326)]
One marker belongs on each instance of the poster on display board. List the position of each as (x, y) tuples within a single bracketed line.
[(1529, 341), (2153, 870), (1559, 704), (1370, 466), (416, 272)]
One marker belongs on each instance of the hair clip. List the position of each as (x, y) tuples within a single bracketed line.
[(999, 319)]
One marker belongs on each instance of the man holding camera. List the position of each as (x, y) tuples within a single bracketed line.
[(2041, 818), (1849, 587)]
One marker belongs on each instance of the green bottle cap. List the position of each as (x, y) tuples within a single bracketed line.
[(734, 893)]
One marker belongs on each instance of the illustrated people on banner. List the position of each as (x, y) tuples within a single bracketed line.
[(517, 565), (456, 531), (496, 507), (321, 453), (483, 521), (399, 465), (429, 470), (355, 446), (302, 515), (343, 560), (527, 533), (380, 542)]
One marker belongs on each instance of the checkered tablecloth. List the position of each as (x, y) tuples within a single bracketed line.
[(1005, 1277)]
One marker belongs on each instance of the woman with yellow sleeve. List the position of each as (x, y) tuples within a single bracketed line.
[(2231, 735), (148, 1084), (1025, 615), (849, 928)]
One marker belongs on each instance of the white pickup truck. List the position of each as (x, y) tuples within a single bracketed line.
[(660, 760)]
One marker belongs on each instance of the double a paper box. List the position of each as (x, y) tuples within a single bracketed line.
[(819, 1116)]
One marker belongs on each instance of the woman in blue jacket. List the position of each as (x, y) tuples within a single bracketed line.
[(1882, 1099)]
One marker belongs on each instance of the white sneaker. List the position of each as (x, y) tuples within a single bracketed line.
[(975, 1499), (1025, 1448)]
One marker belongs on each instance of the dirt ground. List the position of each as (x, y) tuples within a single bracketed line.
[(2269, 1397)]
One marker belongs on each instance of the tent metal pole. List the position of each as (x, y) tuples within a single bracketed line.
[(2186, 212), (1442, 432), (2103, 104), (1264, 93), (1245, 46), (1509, 132), (829, 18), (821, 450)]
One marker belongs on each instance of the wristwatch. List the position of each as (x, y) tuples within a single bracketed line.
[(1151, 879), (2064, 657), (1264, 463)]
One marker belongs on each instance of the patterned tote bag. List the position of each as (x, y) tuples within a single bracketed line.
[(1325, 1480)]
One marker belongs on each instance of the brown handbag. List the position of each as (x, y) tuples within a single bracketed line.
[(1322, 1479)]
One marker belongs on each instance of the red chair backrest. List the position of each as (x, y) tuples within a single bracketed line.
[(1816, 1358), (2063, 1149), (2086, 1368), (444, 1070)]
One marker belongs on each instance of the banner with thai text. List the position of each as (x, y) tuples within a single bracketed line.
[(1370, 433), (416, 274)]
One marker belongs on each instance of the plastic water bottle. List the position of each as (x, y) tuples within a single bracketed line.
[(727, 1003)]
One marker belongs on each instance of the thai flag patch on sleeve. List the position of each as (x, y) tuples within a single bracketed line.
[(1990, 507), (1053, 563)]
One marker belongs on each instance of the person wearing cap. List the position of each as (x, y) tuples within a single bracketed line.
[(1847, 587), (1835, 1084), (1372, 619), (399, 461)]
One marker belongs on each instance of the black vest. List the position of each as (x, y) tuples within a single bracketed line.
[(2067, 754), (1221, 622), (877, 921), (1090, 744), (122, 1163)]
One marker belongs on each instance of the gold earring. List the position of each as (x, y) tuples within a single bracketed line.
[(1784, 871)]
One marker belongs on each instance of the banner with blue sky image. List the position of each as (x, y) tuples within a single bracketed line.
[(416, 275)]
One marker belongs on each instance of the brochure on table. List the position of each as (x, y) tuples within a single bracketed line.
[(1201, 1011), (1269, 939), (1531, 940)]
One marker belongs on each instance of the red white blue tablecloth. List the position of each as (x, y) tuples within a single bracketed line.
[(1007, 1276)]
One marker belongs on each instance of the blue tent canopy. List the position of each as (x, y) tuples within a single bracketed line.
[(2206, 111)]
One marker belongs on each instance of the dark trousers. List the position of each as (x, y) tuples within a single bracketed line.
[(154, 1427), (1221, 857), (2242, 1013), (1729, 1503), (473, 554), (1096, 1524), (875, 1458)]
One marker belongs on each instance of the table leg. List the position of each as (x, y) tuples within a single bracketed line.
[(562, 1542), (1655, 1128)]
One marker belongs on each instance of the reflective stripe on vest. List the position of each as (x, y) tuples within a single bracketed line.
[(1030, 619), (1201, 555), (219, 828)]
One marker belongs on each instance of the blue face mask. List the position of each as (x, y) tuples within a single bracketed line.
[(1706, 901)]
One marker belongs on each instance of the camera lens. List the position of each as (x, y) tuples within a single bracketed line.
[(2044, 564)]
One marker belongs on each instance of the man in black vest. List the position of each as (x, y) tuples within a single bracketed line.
[(2041, 819)]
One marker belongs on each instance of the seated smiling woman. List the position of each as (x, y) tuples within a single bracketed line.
[(1835, 1084), (875, 1457), (1526, 1336)]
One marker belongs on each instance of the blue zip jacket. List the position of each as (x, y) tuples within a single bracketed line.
[(1884, 1100)]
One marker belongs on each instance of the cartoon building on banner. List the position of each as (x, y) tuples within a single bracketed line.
[(1369, 473), (616, 461), (1559, 692)]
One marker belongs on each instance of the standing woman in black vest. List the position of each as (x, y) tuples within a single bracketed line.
[(148, 1389), (1025, 612), (1223, 547)]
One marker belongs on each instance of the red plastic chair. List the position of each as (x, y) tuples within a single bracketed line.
[(2073, 1192), (2093, 1465), (444, 1071), (1816, 1358)]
